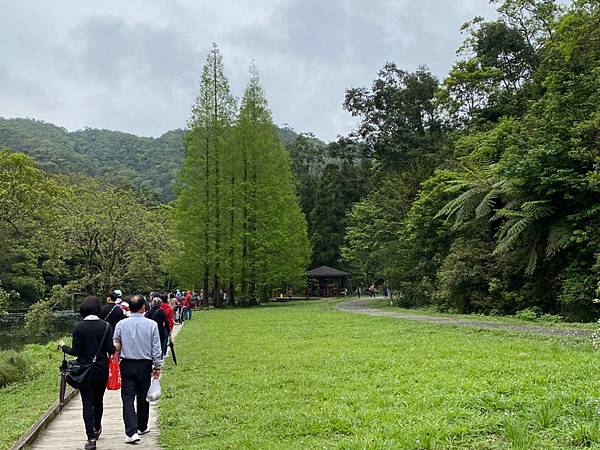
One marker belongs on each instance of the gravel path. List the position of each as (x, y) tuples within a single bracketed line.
[(363, 306)]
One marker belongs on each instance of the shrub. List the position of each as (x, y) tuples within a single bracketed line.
[(577, 293), (3, 302), (527, 314), (464, 277), (551, 318), (40, 319), (13, 367)]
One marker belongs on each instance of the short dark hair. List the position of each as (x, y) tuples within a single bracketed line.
[(90, 306), (136, 303), (164, 298), (112, 296)]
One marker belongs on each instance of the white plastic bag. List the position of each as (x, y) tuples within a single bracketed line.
[(154, 391)]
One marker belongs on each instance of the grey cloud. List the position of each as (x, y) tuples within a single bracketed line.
[(135, 65), (109, 50)]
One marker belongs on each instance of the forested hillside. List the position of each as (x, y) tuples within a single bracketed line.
[(150, 164)]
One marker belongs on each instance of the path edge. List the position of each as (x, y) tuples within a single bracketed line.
[(358, 306)]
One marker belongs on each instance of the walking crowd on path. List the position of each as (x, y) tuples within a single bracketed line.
[(126, 339)]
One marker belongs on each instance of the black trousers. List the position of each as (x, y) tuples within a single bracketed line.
[(135, 381), (92, 397)]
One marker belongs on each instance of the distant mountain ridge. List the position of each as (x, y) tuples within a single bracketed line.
[(149, 163)]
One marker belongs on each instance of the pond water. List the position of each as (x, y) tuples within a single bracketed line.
[(13, 334)]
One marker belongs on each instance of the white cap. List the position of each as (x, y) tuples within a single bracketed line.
[(118, 292)]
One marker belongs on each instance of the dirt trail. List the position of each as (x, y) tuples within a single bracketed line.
[(363, 306)]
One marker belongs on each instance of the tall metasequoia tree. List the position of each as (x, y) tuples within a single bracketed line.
[(238, 215), (275, 246), (199, 209)]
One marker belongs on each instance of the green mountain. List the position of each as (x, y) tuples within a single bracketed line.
[(148, 163)]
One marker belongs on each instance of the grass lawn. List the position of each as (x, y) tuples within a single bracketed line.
[(22, 404), (304, 375)]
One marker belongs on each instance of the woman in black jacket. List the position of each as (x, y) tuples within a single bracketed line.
[(159, 316), (89, 335)]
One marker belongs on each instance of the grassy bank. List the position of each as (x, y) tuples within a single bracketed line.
[(23, 402), (304, 375)]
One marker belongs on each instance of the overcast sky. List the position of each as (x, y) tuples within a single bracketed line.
[(134, 65)]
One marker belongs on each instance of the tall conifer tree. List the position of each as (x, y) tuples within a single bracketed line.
[(199, 206), (237, 212), (275, 248)]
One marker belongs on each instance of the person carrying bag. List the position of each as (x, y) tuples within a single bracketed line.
[(89, 372), (77, 372), (138, 340)]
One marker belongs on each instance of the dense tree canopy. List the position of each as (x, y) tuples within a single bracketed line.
[(510, 218), (74, 231)]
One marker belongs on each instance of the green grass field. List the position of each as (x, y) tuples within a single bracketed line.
[(304, 375), (23, 403)]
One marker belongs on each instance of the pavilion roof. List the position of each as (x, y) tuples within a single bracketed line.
[(326, 271)]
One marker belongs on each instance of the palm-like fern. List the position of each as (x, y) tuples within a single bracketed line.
[(478, 195), (525, 224)]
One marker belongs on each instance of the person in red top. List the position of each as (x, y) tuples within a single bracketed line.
[(168, 310), (187, 305)]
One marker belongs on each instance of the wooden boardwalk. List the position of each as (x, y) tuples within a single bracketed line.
[(67, 432)]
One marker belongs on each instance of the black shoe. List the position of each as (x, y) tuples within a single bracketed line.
[(90, 444)]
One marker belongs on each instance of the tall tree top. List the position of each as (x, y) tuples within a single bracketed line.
[(254, 102), (214, 103)]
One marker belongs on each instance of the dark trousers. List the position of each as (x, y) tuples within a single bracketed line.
[(92, 397), (164, 342), (135, 382)]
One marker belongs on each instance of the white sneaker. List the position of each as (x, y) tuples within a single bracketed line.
[(146, 431), (132, 439)]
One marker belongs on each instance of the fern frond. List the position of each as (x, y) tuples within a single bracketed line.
[(559, 238), (531, 261), (510, 233), (486, 206), (454, 205), (538, 209)]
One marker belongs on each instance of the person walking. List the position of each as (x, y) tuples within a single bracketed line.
[(158, 315), (168, 310), (92, 339), (112, 313), (187, 305), (122, 303), (179, 308), (138, 341), (372, 291)]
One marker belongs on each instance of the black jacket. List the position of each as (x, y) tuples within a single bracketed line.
[(87, 335), (113, 314), (159, 316)]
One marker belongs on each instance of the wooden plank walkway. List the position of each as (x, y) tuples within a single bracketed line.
[(67, 432)]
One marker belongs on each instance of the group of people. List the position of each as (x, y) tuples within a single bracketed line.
[(138, 330), (372, 291)]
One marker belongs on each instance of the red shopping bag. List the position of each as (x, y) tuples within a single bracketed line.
[(114, 374)]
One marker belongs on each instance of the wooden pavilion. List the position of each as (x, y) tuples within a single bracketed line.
[(326, 281)]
